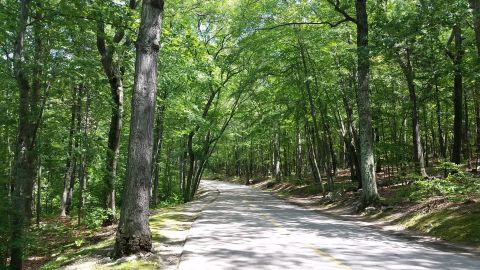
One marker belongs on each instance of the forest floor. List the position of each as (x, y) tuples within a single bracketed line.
[(419, 208), (91, 249)]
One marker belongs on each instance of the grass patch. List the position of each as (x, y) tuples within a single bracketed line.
[(138, 264), (75, 254), (461, 226)]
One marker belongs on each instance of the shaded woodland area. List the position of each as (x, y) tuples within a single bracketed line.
[(341, 95)]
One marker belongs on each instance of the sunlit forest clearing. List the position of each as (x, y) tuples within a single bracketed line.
[(116, 115)]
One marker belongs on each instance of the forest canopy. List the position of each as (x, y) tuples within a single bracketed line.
[(339, 93)]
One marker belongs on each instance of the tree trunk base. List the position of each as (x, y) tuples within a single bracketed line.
[(127, 245)]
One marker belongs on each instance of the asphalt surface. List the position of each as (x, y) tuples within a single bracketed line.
[(249, 229)]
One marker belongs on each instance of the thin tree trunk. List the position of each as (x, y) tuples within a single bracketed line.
[(351, 139), (75, 158), (457, 58), (315, 137), (312, 158), (441, 135), (69, 164), (84, 160), (277, 173), (133, 234), (466, 134), (157, 149), (298, 153), (38, 208), (477, 117)]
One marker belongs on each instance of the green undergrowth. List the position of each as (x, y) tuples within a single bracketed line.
[(72, 255), (172, 217), (456, 225), (134, 265)]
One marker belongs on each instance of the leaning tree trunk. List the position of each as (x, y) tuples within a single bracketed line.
[(312, 159), (112, 70), (133, 234), (367, 160), (113, 144), (418, 156)]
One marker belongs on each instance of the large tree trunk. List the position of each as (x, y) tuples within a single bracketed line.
[(133, 234), (418, 156), (367, 159), (457, 58), (24, 169), (475, 5)]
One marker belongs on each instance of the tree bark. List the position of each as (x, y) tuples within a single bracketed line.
[(133, 234), (367, 159), (24, 170)]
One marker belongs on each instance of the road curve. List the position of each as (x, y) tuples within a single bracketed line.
[(249, 229)]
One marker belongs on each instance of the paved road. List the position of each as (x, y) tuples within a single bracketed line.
[(249, 229)]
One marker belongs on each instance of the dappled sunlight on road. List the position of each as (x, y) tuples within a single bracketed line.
[(250, 229)]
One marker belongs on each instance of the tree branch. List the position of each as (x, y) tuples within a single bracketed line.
[(331, 24), (336, 6)]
